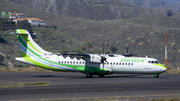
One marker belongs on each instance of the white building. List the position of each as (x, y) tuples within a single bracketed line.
[(32, 21)]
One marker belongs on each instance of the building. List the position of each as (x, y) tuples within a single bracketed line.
[(42, 22), (32, 21), (19, 15), (9, 15), (12, 16)]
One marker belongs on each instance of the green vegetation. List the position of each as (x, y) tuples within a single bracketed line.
[(137, 99), (113, 49), (6, 22), (23, 84), (141, 29), (169, 12), (23, 69), (25, 25), (115, 98)]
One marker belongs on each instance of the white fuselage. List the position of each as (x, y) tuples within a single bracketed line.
[(134, 65)]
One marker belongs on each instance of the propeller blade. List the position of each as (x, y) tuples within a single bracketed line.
[(103, 58)]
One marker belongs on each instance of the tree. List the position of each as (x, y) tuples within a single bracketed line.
[(169, 12), (88, 43), (63, 50), (25, 25), (113, 49)]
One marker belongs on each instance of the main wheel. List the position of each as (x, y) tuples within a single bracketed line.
[(89, 75), (101, 76)]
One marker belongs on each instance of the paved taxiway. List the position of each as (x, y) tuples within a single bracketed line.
[(75, 85)]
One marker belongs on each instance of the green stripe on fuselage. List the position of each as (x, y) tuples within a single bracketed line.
[(160, 65)]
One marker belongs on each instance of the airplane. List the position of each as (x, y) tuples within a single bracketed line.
[(89, 64)]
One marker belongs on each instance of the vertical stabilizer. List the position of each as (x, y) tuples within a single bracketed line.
[(27, 45)]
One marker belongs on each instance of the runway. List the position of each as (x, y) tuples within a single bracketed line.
[(69, 86)]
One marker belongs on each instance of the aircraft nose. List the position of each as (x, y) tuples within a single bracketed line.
[(163, 68)]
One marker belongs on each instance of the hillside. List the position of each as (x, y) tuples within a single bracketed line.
[(141, 29), (146, 3), (170, 4)]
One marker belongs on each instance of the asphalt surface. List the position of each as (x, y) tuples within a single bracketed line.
[(70, 86)]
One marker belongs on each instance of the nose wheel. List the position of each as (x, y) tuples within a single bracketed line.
[(156, 75)]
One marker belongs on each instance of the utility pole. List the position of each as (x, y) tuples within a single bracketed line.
[(166, 49)]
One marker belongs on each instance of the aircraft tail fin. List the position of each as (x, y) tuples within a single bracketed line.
[(27, 45)]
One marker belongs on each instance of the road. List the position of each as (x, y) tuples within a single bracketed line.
[(69, 86)]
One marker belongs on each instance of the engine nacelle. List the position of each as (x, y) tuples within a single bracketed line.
[(93, 58)]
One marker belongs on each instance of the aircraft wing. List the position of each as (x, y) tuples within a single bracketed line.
[(87, 57), (128, 55), (75, 54)]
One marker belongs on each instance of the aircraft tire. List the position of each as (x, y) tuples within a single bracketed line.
[(101, 76), (156, 76), (89, 75)]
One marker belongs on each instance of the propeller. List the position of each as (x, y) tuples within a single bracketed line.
[(103, 58)]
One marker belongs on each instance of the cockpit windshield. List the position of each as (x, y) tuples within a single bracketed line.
[(152, 62)]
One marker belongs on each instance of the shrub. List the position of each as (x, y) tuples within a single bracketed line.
[(169, 12)]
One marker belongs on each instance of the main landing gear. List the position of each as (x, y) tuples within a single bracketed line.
[(101, 76), (90, 75)]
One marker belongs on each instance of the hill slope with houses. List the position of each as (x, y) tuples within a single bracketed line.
[(140, 29)]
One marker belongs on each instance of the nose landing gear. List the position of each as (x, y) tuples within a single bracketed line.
[(156, 75)]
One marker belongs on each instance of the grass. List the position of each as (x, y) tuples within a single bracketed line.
[(23, 69), (172, 70), (115, 98), (21, 84)]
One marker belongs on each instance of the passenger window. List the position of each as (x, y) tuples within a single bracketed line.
[(119, 63), (128, 63), (110, 63), (122, 63), (116, 63), (131, 63)]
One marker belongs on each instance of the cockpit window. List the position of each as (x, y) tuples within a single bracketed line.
[(153, 62)]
